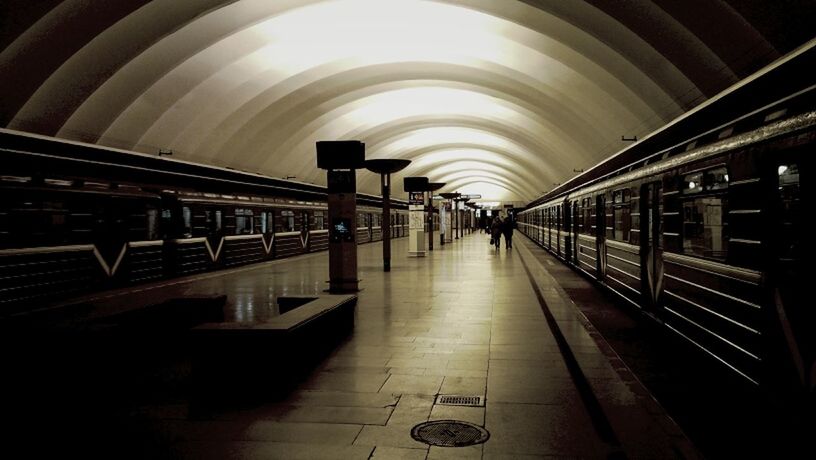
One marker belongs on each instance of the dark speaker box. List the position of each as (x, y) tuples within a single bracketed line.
[(340, 154), (415, 184)]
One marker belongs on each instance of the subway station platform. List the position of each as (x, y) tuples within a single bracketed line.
[(465, 320)]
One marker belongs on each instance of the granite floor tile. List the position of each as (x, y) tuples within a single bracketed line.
[(398, 453), (454, 453), (388, 436), (540, 429), (317, 433), (342, 399), (410, 410), (475, 415), (463, 385), (248, 450), (335, 414), (361, 383), (412, 384)]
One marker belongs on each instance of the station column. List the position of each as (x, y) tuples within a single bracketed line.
[(449, 216), (341, 159), (416, 186)]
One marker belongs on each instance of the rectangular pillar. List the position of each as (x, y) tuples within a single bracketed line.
[(416, 225)]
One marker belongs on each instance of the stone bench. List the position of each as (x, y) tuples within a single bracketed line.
[(238, 360)]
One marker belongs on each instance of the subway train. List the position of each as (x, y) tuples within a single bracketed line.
[(701, 226), (77, 218)]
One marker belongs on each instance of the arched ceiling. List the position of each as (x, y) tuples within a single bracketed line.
[(503, 98)]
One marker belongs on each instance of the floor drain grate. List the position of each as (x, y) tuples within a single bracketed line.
[(458, 400), (449, 433)]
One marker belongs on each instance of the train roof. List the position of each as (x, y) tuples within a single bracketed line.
[(787, 76), (25, 152)]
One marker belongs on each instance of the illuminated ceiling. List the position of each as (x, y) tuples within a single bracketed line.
[(498, 97)]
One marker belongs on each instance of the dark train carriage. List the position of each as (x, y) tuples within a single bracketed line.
[(63, 231), (705, 233), (63, 236)]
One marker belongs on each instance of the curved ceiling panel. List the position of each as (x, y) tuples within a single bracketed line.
[(504, 96)]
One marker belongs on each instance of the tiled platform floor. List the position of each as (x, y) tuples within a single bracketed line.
[(464, 320)]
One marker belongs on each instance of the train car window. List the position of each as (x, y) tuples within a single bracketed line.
[(287, 221), (264, 222), (715, 179), (152, 218), (705, 232), (319, 220), (705, 228), (693, 183), (621, 214), (789, 196), (244, 224), (166, 223), (187, 221)]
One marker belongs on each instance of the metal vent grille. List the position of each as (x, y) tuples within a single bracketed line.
[(459, 400), (449, 433)]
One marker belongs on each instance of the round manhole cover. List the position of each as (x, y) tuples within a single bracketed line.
[(449, 433)]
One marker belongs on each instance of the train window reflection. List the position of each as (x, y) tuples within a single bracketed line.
[(244, 221), (152, 216), (716, 179), (693, 183), (622, 220), (213, 221), (705, 231), (187, 218), (319, 220), (288, 219), (789, 202)]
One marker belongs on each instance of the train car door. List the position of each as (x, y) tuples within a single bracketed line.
[(549, 227), (792, 253), (575, 216), (305, 226), (600, 235), (567, 232), (651, 247)]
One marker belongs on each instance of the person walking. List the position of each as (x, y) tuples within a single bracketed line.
[(496, 231), (507, 229)]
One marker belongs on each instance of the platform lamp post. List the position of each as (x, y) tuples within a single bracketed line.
[(416, 187), (432, 187), (449, 196), (341, 159), (459, 219), (471, 213), (386, 167)]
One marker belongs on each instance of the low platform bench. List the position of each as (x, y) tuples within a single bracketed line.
[(243, 359)]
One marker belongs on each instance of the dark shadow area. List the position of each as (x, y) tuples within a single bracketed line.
[(723, 415), (72, 383), (239, 365), (95, 388)]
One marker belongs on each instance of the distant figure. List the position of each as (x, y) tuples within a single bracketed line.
[(507, 229), (496, 231)]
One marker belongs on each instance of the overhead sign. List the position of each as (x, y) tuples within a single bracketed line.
[(470, 197)]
